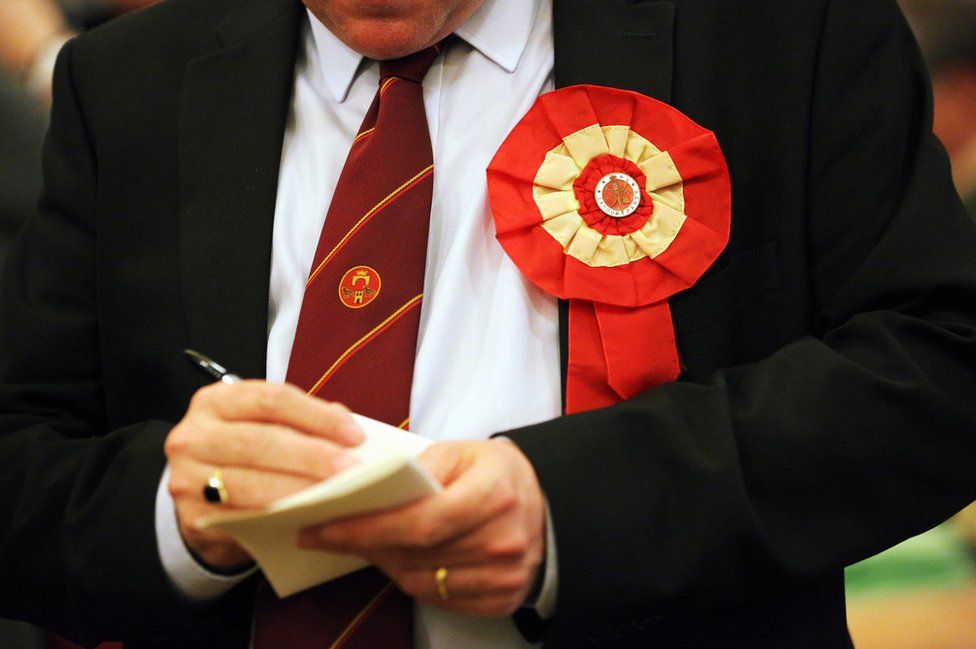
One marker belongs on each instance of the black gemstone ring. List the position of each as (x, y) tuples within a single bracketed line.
[(215, 491)]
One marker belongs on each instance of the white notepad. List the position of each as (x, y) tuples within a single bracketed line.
[(388, 475)]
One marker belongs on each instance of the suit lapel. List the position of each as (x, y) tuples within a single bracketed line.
[(617, 44), (233, 112)]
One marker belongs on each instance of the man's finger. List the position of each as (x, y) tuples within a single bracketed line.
[(494, 590), (280, 404), (485, 544), (270, 447), (466, 504), (246, 488)]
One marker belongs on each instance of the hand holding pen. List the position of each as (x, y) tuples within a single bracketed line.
[(263, 441)]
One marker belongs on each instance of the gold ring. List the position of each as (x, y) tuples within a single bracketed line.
[(215, 491), (440, 577)]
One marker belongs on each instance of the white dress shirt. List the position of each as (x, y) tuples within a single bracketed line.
[(488, 346)]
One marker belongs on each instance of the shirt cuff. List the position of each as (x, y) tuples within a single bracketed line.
[(190, 579), (544, 604)]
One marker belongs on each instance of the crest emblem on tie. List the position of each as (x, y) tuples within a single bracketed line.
[(359, 286)]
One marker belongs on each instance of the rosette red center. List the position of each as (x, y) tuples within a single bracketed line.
[(585, 189)]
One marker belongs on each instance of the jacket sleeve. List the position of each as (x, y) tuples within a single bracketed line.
[(77, 549), (704, 493)]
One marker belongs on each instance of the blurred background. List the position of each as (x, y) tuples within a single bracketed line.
[(31, 33), (918, 595)]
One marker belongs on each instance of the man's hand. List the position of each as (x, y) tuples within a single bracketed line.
[(268, 440), (487, 528)]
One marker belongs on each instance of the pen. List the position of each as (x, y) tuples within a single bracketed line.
[(210, 367)]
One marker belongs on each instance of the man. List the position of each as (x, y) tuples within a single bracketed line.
[(823, 412)]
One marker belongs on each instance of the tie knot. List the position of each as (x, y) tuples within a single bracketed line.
[(413, 67)]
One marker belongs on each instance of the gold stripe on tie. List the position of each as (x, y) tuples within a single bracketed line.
[(356, 346), (392, 196), (363, 134), (386, 84), (361, 617)]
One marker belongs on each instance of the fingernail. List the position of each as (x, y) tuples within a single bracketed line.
[(344, 461), (352, 432)]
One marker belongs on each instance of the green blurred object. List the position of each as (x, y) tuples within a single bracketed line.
[(939, 558)]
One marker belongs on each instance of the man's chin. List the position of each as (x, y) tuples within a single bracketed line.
[(384, 44), (390, 30)]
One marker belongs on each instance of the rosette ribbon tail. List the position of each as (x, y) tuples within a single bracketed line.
[(615, 352)]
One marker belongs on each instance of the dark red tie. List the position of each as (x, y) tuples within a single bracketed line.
[(357, 339)]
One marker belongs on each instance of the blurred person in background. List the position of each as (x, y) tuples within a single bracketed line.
[(35, 30), (946, 30), (33, 33)]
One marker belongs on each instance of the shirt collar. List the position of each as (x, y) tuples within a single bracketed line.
[(499, 29)]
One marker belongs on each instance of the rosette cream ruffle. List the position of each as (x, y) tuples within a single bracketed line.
[(553, 192)]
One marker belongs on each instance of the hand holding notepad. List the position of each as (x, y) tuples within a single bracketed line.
[(388, 475)]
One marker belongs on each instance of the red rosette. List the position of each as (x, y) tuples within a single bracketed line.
[(614, 201)]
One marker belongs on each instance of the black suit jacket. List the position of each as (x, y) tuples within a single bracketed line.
[(826, 407)]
